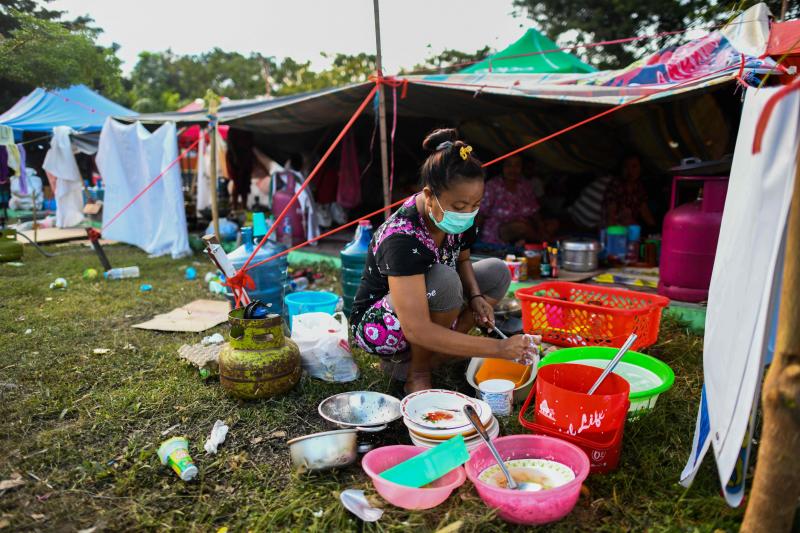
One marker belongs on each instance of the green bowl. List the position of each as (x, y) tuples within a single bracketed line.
[(647, 375)]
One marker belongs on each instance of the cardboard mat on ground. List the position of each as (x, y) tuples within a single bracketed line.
[(194, 317)]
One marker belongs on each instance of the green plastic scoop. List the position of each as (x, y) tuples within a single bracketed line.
[(430, 465)]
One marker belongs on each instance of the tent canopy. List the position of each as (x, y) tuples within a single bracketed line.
[(682, 100), (78, 107), (528, 55)]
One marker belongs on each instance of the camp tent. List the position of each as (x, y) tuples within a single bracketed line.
[(693, 115), (78, 107), (531, 53)]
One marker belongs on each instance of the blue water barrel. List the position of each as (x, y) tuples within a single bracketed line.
[(270, 278), (354, 257)]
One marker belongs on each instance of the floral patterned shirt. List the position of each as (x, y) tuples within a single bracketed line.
[(501, 206), (403, 246)]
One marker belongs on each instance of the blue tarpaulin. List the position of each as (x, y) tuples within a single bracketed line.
[(78, 107)]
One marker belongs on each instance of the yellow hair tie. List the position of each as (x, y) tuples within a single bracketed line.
[(465, 151)]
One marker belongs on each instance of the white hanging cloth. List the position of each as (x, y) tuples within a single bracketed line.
[(742, 298), (129, 158), (65, 178), (203, 177)]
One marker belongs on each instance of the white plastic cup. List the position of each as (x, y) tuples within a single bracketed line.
[(499, 394)]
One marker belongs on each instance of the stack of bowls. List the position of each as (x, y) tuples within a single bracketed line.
[(434, 416)]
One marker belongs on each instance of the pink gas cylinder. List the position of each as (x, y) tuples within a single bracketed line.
[(689, 241)]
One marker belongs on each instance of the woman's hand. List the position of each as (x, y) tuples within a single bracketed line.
[(520, 348), (483, 312)]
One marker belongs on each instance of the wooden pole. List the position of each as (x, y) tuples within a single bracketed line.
[(784, 7), (382, 111), (776, 487), (212, 101)]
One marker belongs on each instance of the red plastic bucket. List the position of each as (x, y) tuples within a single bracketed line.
[(562, 402)]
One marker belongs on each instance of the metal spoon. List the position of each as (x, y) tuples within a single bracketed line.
[(473, 417), (613, 363)]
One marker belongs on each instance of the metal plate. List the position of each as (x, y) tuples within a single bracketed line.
[(360, 408)]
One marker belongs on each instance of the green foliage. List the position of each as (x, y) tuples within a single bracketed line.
[(607, 20), (38, 49), (450, 60), (166, 81)]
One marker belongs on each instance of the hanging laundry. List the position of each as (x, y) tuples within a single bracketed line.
[(240, 163), (6, 135), (129, 159), (65, 178), (203, 179), (348, 194), (4, 171), (23, 171), (204, 173), (302, 215)]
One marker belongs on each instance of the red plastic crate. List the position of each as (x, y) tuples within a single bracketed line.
[(574, 314)]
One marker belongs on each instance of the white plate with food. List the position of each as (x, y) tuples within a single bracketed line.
[(444, 434), (438, 409)]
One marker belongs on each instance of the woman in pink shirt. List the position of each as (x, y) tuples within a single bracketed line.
[(510, 209)]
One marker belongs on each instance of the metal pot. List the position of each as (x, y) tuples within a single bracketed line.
[(321, 451), (366, 411), (580, 255)]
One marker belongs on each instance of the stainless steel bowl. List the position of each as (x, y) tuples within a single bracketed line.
[(321, 451), (365, 410)]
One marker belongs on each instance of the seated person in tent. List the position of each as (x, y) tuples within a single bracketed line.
[(510, 209), (625, 198), (420, 293)]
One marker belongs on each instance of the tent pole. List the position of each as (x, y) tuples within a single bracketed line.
[(777, 476), (212, 100), (382, 111)]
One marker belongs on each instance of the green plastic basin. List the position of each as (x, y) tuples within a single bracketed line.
[(647, 375)]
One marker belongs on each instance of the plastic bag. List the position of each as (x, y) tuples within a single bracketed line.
[(324, 350)]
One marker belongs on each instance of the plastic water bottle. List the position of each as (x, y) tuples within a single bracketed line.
[(299, 284), (122, 273), (286, 238)]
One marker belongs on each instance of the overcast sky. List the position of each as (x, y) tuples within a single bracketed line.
[(410, 29)]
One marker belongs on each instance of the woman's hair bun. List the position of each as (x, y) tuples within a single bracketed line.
[(437, 137)]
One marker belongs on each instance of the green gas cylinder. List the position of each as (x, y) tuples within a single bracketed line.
[(10, 248), (258, 361)]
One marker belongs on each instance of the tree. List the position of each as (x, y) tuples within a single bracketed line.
[(450, 60), (598, 20), (166, 81), (38, 49)]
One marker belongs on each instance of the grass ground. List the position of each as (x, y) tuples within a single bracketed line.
[(82, 428)]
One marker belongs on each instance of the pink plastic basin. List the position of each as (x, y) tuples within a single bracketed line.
[(382, 459), (530, 508)]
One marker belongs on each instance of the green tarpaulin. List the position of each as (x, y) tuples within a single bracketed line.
[(523, 57)]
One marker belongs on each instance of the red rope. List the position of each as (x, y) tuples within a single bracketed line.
[(147, 187), (766, 113), (597, 116), (544, 139), (239, 279), (570, 48), (329, 233)]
